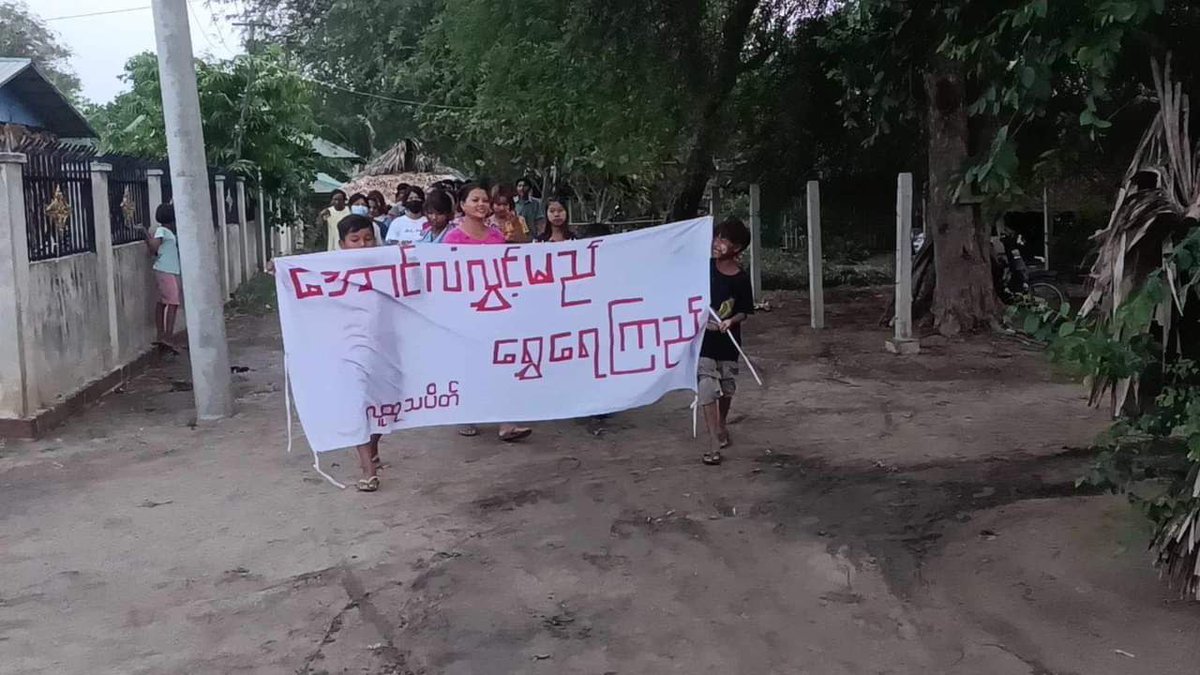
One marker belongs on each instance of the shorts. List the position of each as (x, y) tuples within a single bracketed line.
[(170, 291), (717, 379)]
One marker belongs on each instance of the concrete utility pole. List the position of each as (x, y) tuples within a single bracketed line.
[(903, 342), (755, 242), (816, 272), (204, 306)]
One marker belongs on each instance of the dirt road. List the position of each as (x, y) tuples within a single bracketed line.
[(876, 515)]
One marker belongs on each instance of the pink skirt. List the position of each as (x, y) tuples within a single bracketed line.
[(170, 291)]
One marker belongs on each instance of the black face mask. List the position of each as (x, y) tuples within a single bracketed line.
[(414, 205)]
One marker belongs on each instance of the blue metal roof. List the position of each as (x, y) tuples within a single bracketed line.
[(21, 80)]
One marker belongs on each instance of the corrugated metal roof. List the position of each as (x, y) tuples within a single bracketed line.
[(10, 67), (330, 150), (22, 78), (324, 183)]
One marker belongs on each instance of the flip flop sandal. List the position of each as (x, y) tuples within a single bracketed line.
[(723, 441), (515, 435), (468, 431), (711, 458), (368, 484)]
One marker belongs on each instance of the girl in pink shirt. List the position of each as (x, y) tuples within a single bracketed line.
[(476, 206), (472, 228)]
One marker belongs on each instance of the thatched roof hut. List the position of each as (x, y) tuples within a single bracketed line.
[(404, 162)]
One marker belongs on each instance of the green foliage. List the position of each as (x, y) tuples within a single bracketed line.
[(24, 35), (788, 270), (1129, 346), (538, 87), (1026, 62), (256, 111)]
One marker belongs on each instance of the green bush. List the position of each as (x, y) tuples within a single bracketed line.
[(788, 270)]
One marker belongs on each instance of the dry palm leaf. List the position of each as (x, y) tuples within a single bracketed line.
[(1160, 190)]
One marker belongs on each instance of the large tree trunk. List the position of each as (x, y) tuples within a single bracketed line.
[(964, 300), (706, 136)]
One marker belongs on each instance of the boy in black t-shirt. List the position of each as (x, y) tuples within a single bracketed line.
[(733, 300)]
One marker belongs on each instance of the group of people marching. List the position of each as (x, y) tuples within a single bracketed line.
[(471, 214), (452, 213)]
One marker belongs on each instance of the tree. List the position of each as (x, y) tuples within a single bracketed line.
[(539, 88), (255, 111), (345, 47), (24, 35), (972, 75), (606, 100)]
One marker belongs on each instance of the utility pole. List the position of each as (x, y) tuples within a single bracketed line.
[(205, 308)]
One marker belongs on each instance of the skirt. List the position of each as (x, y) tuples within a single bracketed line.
[(170, 290)]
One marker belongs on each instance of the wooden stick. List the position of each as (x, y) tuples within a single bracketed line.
[(739, 349)]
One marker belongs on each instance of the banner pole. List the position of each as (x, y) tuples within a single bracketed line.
[(739, 349)]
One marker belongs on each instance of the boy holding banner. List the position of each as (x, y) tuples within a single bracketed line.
[(731, 299), (358, 231)]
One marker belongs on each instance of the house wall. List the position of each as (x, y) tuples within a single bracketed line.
[(15, 111)]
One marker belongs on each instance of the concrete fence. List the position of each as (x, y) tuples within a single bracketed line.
[(74, 327)]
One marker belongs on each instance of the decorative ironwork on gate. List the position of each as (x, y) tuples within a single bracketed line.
[(59, 212), (128, 198)]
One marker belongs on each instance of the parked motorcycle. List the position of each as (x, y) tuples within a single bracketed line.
[(1015, 278)]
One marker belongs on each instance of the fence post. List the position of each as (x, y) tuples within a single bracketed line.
[(223, 229), (292, 230), (816, 279), (153, 194), (262, 227), (16, 381), (105, 266), (247, 258), (903, 342), (1046, 226), (755, 242)]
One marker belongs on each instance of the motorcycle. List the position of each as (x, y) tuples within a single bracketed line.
[(1014, 278)]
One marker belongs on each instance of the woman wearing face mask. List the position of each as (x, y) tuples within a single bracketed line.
[(408, 227), (359, 205)]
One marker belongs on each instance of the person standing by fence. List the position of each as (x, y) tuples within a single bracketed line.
[(333, 215), (164, 245), (529, 207)]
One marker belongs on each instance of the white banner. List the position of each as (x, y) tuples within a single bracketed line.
[(399, 337)]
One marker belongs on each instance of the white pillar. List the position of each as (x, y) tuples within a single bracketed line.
[(902, 342), (203, 304), (295, 231), (154, 193), (247, 259), (223, 230), (755, 241), (105, 266), (816, 279), (1046, 226), (16, 379), (262, 227)]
